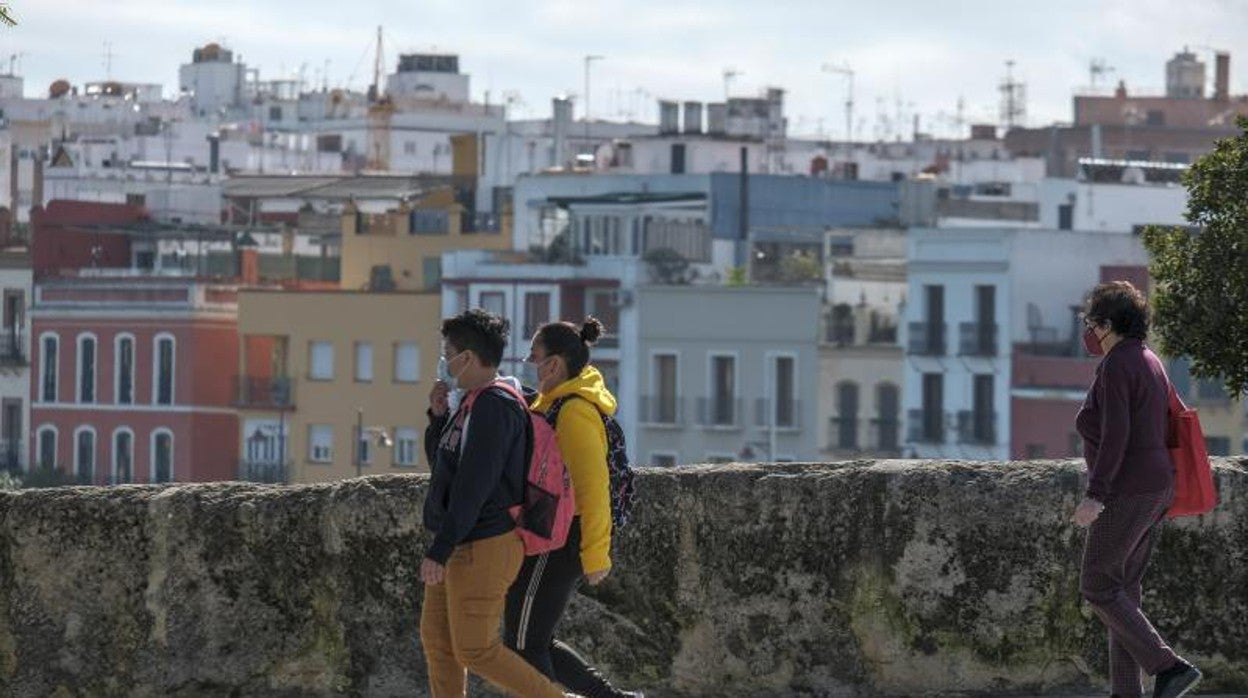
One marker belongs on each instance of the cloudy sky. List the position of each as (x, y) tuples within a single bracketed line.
[(909, 56)]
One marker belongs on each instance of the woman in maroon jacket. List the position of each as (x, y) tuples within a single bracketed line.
[(1130, 485)]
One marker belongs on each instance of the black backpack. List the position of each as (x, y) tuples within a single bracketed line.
[(622, 476)]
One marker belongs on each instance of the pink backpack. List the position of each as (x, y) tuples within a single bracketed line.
[(545, 516)]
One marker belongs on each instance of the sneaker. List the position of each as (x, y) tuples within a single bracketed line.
[(1176, 681)]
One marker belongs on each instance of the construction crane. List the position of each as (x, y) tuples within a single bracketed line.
[(848, 73), (380, 109)]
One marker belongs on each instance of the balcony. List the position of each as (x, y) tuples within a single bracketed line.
[(977, 428), (885, 436), (978, 339), (787, 414), (264, 471), (843, 434), (12, 349), (662, 411), (719, 414), (263, 393), (927, 338), (926, 427)]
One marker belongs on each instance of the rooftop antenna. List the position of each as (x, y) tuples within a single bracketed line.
[(377, 69), (108, 60), (1097, 68), (848, 72), (1013, 98), (730, 74)]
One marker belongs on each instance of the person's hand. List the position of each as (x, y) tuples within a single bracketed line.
[(1087, 511), (432, 573), (439, 399), (595, 578)]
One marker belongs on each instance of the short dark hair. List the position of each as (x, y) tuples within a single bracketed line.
[(1120, 304), (481, 332), (572, 343)]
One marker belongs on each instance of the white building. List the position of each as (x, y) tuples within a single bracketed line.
[(15, 279), (973, 294)]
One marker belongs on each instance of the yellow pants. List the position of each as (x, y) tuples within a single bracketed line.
[(459, 623)]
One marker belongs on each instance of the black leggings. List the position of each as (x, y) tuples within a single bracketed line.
[(535, 603)]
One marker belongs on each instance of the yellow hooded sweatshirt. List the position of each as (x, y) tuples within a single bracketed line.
[(583, 444)]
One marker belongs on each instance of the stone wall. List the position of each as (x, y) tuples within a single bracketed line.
[(866, 578)]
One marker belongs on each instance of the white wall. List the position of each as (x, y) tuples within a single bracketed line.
[(1112, 207)]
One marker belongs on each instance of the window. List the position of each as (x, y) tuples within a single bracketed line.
[(365, 446), (663, 460), (163, 370), (86, 368), (933, 415), (432, 273), (409, 148), (494, 302), (1218, 445), (847, 416), (321, 443), (275, 113), (123, 456), (162, 456), (678, 158), (320, 361), (983, 427), (406, 362), (665, 376), (47, 447), (123, 377), (602, 304), (888, 411), (405, 449), (48, 360), (784, 370), (84, 455), (363, 362), (723, 391), (1065, 216), (536, 312)]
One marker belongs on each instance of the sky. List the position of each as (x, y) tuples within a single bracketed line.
[(908, 56)]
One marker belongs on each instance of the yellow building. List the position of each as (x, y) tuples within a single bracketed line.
[(318, 364), (402, 250)]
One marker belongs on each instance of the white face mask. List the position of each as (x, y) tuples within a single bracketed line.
[(444, 372)]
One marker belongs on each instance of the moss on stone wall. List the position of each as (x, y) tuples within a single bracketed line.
[(803, 579)]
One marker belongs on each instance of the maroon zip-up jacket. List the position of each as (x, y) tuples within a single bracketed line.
[(1123, 424)]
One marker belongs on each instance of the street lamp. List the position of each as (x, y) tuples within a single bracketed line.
[(361, 433)]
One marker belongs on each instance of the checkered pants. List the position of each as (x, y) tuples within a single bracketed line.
[(1115, 555)]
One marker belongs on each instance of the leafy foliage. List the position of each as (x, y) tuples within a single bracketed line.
[(1200, 303)]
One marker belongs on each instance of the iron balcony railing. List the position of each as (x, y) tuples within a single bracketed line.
[(661, 410), (977, 339), (719, 414), (926, 427), (783, 414), (977, 428), (927, 338), (264, 471), (265, 392)]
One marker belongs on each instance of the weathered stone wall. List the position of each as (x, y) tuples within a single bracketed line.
[(885, 578)]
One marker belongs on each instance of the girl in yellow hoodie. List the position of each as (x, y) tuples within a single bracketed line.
[(537, 599)]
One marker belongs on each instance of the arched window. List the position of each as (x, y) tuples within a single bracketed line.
[(163, 365), (84, 455), (47, 447), (86, 367), (847, 416), (123, 369), (49, 358), (123, 456), (162, 456)]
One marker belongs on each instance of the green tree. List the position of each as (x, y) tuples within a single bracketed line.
[(6, 16), (1200, 303), (667, 266)]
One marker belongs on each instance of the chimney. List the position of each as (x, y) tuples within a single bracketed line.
[(669, 118), (1222, 77), (562, 107), (693, 117), (214, 153), (249, 266)]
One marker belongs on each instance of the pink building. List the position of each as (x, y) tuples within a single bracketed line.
[(131, 379)]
